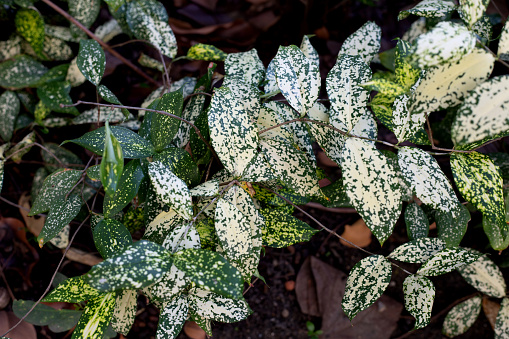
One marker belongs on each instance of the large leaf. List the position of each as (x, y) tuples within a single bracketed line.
[(21, 71), (483, 115), (447, 260), (9, 110), (298, 78), (125, 311), (282, 229), (245, 66), (419, 296), (54, 94), (112, 162), (43, 315), (485, 276), (85, 11), (95, 317), (172, 318), (418, 250), (372, 186), (72, 290), (30, 25), (480, 183), (365, 42), (502, 323), (163, 126), (447, 85), (417, 224), (216, 307), (461, 317), (429, 9), (91, 60), (111, 237), (127, 188), (366, 282), (472, 10)]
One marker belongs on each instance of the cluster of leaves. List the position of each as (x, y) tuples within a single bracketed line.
[(204, 232)]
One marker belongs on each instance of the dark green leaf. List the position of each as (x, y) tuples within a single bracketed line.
[(164, 128), (451, 229), (127, 189), (180, 163), (91, 60), (54, 94), (417, 224), (173, 317), (21, 71), (43, 315), (62, 212), (111, 237), (85, 11), (9, 110), (282, 230)]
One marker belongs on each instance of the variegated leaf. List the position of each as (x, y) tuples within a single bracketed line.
[(125, 311), (406, 124), (74, 75), (111, 237), (485, 276), (419, 296), (366, 282), (446, 42), (502, 323), (447, 85), (171, 284), (30, 25), (108, 30), (418, 250), (461, 317), (447, 260), (54, 94), (298, 78), (386, 87), (216, 307), (64, 180), (365, 42), (9, 110), (309, 51), (452, 226), (417, 224), (429, 9), (232, 132), (112, 163), (62, 212), (282, 229), (245, 66), (471, 11), (372, 186), (95, 317), (406, 75), (21, 71), (503, 44), (480, 183), (206, 52), (172, 318), (61, 240), (270, 79), (484, 29), (108, 95), (21, 148), (56, 49), (72, 290), (483, 115), (207, 189), (180, 163), (170, 189), (127, 188), (163, 127), (348, 100), (2, 162), (183, 236), (427, 180), (60, 32), (85, 11), (161, 225), (10, 48), (91, 60)]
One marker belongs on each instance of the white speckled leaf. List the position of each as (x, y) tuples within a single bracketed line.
[(418, 250), (171, 189), (169, 286), (74, 75), (62, 212), (232, 132), (10, 48), (347, 98), (108, 95), (429, 9), (446, 42), (406, 124), (56, 49), (245, 66), (183, 236), (502, 323), (207, 189), (471, 11), (480, 183), (417, 224), (447, 85), (85, 11), (447, 260), (9, 110), (419, 296), (95, 317), (125, 311), (483, 115), (451, 229), (298, 78), (365, 42), (484, 29), (417, 28), (309, 51), (1, 174), (485, 276), (366, 282), (426, 178), (213, 306), (91, 61), (21, 71), (172, 318), (270, 79), (61, 240), (108, 30), (372, 186), (461, 317), (503, 44)]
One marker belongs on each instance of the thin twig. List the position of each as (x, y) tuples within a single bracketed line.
[(102, 43), (494, 3), (38, 145), (14, 204), (250, 285)]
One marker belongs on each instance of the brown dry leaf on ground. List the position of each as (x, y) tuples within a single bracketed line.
[(23, 331), (490, 309), (320, 289), (357, 233), (82, 257), (35, 223), (193, 331)]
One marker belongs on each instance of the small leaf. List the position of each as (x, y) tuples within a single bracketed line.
[(419, 296), (451, 229), (461, 317), (206, 52), (62, 212), (72, 290), (43, 315), (112, 163), (30, 25), (218, 308), (55, 94), (21, 148), (107, 95), (365, 42), (127, 189), (366, 282), (429, 9), (447, 260), (172, 318), (21, 71), (502, 323), (125, 311), (9, 110), (471, 11), (91, 60), (111, 237), (282, 229), (417, 224), (245, 66), (95, 317), (85, 11), (164, 128)]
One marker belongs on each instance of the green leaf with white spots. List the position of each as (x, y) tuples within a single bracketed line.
[(483, 114), (485, 276), (95, 318), (60, 32), (372, 186), (447, 42), (405, 74), (91, 60), (56, 49), (127, 188), (85, 11), (471, 11), (503, 44), (112, 163), (126, 305), (417, 224), (386, 87), (21, 71), (365, 42), (245, 66), (9, 110), (108, 95), (429, 9), (298, 78), (461, 317), (62, 212), (282, 229), (163, 127), (61, 320), (419, 296), (406, 124), (54, 94), (309, 51), (484, 29), (427, 180), (232, 132), (291, 166), (138, 266), (182, 237), (206, 52), (366, 282), (30, 25), (210, 271), (170, 189), (447, 85), (11, 47), (207, 189), (348, 100), (418, 251), (133, 146), (447, 260), (502, 323), (180, 163), (480, 183), (172, 318), (452, 228), (55, 188), (108, 30), (111, 237), (72, 290), (169, 286), (216, 307), (148, 21)]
